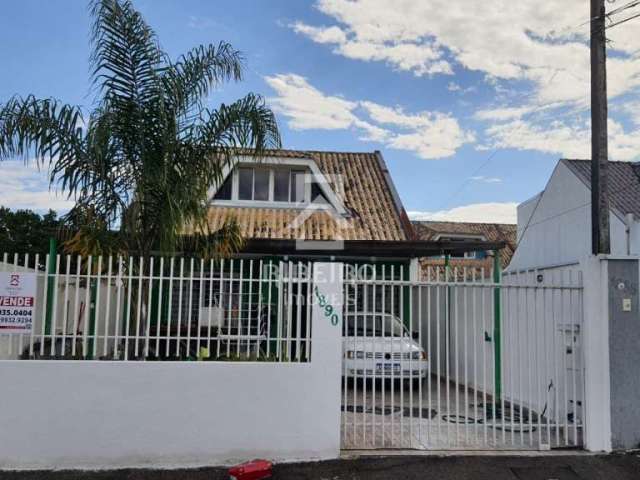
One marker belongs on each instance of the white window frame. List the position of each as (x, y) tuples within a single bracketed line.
[(307, 165), (467, 255)]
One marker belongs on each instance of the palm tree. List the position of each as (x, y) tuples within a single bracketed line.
[(143, 162)]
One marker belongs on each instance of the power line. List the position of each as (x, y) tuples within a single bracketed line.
[(608, 15), (623, 21), (621, 9), (540, 195), (447, 202), (564, 212)]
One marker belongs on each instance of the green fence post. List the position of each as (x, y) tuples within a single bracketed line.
[(497, 328), (53, 247)]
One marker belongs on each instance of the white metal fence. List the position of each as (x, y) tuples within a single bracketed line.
[(459, 362), (115, 308)]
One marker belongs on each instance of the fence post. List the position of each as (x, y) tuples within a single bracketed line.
[(92, 283), (597, 383), (497, 328), (53, 247), (327, 299)]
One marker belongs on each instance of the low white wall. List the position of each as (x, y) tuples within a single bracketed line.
[(92, 414)]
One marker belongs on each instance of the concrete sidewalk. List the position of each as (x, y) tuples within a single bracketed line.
[(551, 467)]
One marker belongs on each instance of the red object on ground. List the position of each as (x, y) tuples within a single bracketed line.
[(253, 470)]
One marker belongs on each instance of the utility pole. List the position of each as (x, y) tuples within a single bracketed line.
[(599, 149)]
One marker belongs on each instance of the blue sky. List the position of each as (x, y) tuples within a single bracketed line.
[(471, 105)]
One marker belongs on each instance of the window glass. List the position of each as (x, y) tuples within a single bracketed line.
[(281, 185), (245, 184), (316, 194), (374, 325), (224, 192), (261, 184), (297, 186)]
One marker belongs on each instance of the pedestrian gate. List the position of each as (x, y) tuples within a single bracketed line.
[(459, 360)]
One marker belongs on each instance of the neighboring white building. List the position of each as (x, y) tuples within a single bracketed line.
[(554, 227)]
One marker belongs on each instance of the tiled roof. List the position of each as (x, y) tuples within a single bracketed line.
[(375, 211), (492, 232), (624, 183)]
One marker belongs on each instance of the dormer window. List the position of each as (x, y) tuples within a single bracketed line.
[(266, 184), (284, 183)]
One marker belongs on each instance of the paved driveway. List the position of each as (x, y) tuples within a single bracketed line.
[(439, 416)]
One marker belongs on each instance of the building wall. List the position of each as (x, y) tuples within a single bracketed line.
[(559, 229), (624, 354)]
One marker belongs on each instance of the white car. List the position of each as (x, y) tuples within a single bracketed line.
[(379, 346)]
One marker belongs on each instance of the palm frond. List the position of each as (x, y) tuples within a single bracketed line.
[(247, 123), (42, 128), (126, 56), (191, 78)]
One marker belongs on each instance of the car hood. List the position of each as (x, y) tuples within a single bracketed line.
[(380, 344)]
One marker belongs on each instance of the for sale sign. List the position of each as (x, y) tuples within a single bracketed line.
[(17, 301)]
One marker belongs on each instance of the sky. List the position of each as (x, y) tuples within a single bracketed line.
[(470, 103)]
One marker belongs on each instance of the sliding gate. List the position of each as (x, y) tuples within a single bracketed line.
[(458, 361)]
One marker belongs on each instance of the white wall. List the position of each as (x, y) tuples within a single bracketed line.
[(93, 414), (559, 231)]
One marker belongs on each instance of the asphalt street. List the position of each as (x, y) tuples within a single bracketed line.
[(546, 467)]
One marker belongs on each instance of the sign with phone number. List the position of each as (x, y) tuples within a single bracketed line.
[(17, 301)]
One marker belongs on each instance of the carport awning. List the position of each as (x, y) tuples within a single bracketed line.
[(368, 248)]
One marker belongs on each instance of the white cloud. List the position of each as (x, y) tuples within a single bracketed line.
[(453, 87), (530, 41), (502, 113), (307, 107), (24, 187), (477, 212), (483, 179), (427, 134), (570, 140), (633, 110), (431, 134), (321, 34), (419, 57)]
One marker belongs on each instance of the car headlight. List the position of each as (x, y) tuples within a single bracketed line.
[(419, 355), (359, 354), (350, 354)]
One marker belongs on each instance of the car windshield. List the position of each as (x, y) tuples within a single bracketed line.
[(374, 325)]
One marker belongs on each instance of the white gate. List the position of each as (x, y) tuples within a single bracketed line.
[(458, 361)]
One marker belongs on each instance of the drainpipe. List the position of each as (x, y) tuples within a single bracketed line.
[(628, 225)]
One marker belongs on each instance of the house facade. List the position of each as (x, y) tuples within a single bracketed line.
[(477, 260), (296, 207), (322, 205), (554, 227)]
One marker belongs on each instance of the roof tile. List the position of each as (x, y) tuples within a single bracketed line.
[(624, 183)]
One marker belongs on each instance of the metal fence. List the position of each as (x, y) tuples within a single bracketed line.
[(117, 308), (458, 361)]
